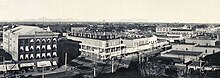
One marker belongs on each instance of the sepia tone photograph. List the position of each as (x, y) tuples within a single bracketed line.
[(109, 39)]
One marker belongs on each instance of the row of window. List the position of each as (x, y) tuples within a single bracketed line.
[(38, 47), (48, 40), (101, 50), (37, 56)]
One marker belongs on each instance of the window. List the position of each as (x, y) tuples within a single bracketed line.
[(43, 40), (21, 57), (54, 54), (48, 47), (38, 40), (43, 47), (26, 48), (21, 48), (48, 40), (54, 46), (38, 56), (31, 56), (43, 55), (32, 40), (26, 56), (38, 48), (48, 55), (54, 39)]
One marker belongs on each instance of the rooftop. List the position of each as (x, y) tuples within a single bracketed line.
[(187, 53), (181, 30), (165, 36), (27, 30)]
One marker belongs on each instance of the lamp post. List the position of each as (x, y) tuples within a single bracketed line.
[(43, 65)]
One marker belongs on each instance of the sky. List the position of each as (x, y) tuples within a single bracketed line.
[(198, 11)]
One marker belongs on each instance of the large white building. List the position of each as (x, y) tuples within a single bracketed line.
[(98, 46), (31, 46), (103, 45)]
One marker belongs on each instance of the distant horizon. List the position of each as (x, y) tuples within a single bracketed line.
[(183, 11)]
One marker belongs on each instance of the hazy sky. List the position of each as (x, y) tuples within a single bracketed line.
[(113, 10)]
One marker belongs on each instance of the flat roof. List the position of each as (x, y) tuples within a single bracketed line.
[(165, 36), (187, 53)]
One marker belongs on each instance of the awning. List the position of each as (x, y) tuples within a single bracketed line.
[(54, 63), (3, 68), (26, 64), (43, 64), (12, 67)]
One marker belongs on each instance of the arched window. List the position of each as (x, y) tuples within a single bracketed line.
[(21, 57), (26, 56), (26, 48), (38, 56), (38, 40), (32, 40), (48, 47), (54, 39), (48, 40), (43, 55), (48, 55), (43, 40), (54, 46), (43, 47), (38, 48), (21, 48), (54, 54), (31, 48), (31, 56)]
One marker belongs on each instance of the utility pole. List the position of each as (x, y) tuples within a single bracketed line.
[(112, 61), (65, 61), (94, 63)]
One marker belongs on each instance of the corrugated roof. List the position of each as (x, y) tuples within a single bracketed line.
[(188, 53), (26, 30)]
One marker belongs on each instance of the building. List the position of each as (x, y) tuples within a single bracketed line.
[(172, 37), (31, 46), (99, 46), (142, 44), (104, 45), (185, 30), (186, 56)]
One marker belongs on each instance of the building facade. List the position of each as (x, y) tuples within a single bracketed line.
[(31, 46), (98, 46)]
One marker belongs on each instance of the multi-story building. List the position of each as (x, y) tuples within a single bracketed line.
[(31, 46), (172, 37), (186, 31), (99, 46), (102, 45)]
